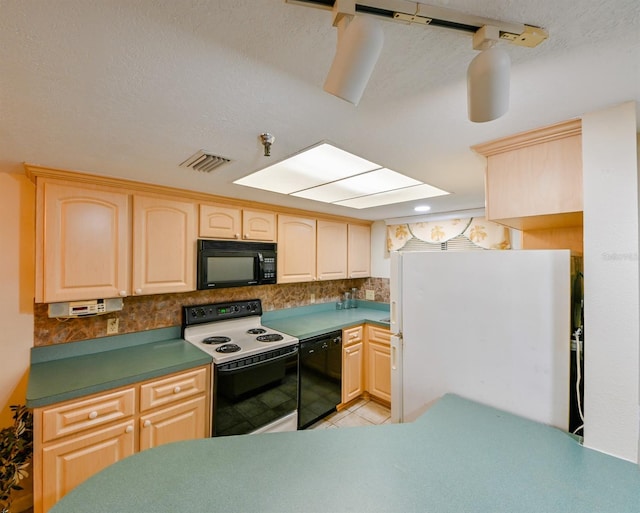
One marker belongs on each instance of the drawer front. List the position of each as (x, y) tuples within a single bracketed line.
[(174, 388), (77, 416), (352, 335), (378, 334)]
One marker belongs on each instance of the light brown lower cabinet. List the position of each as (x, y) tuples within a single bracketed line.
[(379, 363), (78, 438), (184, 421), (366, 363), (68, 463), (352, 363)]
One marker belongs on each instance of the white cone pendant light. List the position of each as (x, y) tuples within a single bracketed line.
[(488, 85), (359, 46)]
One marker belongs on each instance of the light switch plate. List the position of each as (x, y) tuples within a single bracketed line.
[(370, 295)]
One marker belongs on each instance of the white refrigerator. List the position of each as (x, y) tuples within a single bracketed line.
[(491, 326)]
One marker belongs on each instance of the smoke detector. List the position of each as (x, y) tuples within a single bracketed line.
[(204, 161)]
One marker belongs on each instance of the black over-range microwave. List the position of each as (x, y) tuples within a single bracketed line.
[(223, 264)]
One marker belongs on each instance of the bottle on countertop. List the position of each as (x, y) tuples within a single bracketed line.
[(354, 300)]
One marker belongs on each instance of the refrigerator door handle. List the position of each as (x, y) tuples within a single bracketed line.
[(396, 378), (394, 352)]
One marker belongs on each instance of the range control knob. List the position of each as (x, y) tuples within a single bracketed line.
[(202, 312)]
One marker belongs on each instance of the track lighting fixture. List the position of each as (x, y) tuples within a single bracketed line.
[(488, 78), (360, 43), (360, 40)]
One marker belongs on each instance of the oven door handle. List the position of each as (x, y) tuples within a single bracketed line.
[(235, 370)]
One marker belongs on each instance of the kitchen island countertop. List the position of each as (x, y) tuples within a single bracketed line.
[(309, 321), (459, 457)]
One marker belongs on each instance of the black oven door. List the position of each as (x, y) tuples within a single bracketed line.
[(255, 391)]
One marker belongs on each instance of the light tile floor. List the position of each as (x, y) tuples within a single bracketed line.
[(362, 413)]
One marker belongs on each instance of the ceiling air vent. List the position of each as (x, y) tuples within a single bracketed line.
[(205, 162)]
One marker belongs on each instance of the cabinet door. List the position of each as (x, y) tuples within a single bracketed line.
[(258, 225), (220, 222), (85, 244), (331, 250), (535, 180), (352, 379), (296, 249), (184, 421), (379, 370), (359, 261), (164, 240), (67, 464)]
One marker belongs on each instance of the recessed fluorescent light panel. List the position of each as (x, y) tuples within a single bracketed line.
[(331, 175)]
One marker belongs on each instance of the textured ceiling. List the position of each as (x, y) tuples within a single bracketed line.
[(131, 88)]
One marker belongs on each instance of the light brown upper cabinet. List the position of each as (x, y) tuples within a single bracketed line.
[(310, 249), (164, 240), (296, 249), (226, 222), (101, 237), (82, 248), (359, 251), (533, 180), (332, 250)]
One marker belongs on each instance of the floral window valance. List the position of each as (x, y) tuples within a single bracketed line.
[(478, 230)]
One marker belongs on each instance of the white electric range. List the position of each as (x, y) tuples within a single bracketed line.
[(255, 367)]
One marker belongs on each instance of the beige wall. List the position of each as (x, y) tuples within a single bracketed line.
[(17, 199)]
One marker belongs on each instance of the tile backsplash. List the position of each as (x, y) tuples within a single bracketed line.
[(163, 310)]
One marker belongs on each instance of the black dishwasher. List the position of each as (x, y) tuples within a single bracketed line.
[(320, 388)]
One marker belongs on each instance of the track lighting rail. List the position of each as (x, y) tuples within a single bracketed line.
[(407, 12)]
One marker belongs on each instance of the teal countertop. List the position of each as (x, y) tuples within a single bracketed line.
[(459, 457), (309, 321), (67, 371)]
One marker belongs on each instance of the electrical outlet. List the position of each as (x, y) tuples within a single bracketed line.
[(370, 295), (312, 298), (112, 326)]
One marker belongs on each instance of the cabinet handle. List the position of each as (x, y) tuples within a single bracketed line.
[(237, 235), (146, 423), (123, 293), (138, 291), (177, 390), (246, 235), (93, 415), (129, 429)]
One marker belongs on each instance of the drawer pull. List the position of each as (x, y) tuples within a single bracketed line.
[(147, 423), (93, 415), (129, 429), (177, 390)]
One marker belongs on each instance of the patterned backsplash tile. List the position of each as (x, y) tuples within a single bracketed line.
[(163, 310)]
